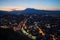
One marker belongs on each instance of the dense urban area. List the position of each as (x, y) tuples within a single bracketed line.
[(30, 24)]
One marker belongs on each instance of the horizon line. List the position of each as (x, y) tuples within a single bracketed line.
[(11, 9)]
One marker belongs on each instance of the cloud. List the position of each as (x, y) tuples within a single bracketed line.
[(42, 8), (51, 8), (12, 8), (22, 8)]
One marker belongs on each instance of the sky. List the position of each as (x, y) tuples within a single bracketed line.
[(23, 4)]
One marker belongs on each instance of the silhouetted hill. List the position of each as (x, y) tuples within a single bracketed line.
[(31, 11)]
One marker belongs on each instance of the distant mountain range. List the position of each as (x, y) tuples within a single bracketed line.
[(31, 11)]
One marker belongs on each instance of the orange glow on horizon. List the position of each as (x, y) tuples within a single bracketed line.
[(11, 9), (22, 8), (49, 8)]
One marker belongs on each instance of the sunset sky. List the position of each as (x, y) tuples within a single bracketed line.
[(23, 4)]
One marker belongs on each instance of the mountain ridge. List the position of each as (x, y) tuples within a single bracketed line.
[(31, 11)]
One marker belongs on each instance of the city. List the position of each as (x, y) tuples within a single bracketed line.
[(33, 26)]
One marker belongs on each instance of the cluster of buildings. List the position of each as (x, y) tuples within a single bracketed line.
[(33, 26)]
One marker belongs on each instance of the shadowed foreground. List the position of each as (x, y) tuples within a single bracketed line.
[(7, 34)]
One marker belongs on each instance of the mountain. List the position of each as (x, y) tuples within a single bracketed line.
[(31, 11)]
